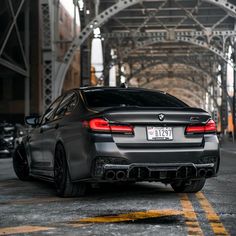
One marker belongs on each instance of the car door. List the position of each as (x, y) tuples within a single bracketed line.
[(52, 130), (34, 146), (35, 139)]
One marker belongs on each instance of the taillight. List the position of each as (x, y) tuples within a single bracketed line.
[(99, 125), (209, 127), (102, 125)]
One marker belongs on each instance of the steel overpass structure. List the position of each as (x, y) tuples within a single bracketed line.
[(180, 46)]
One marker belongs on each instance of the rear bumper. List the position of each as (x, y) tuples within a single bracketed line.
[(158, 153), (166, 172), (106, 161)]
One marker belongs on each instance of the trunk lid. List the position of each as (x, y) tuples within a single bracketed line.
[(143, 119), (149, 116)]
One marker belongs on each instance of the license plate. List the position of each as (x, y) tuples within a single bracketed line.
[(159, 133)]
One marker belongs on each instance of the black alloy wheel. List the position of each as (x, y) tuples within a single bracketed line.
[(20, 163), (63, 184)]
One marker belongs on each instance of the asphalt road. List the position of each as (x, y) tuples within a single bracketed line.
[(31, 208)]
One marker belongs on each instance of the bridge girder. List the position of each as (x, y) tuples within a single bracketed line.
[(204, 39), (84, 34), (184, 78), (224, 4), (151, 63), (108, 13), (177, 83)]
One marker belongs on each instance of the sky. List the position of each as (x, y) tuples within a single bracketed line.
[(96, 55), (69, 6)]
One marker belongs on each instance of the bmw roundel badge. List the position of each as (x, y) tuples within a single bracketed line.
[(161, 117)]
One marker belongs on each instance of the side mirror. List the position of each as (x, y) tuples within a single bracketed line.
[(32, 120)]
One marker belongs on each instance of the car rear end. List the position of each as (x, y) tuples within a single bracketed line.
[(154, 137)]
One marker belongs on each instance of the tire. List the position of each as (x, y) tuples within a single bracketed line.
[(63, 184), (193, 187), (20, 163)]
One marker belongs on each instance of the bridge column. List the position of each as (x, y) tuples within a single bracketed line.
[(48, 11), (215, 98), (224, 104), (85, 48)]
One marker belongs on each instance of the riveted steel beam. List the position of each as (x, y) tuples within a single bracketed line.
[(190, 40), (186, 75), (48, 60), (185, 78), (224, 105), (176, 61), (207, 46), (13, 67), (192, 37), (179, 85), (194, 62), (224, 4), (171, 74), (84, 34), (164, 33)]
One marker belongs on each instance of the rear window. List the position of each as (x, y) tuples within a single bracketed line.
[(126, 97)]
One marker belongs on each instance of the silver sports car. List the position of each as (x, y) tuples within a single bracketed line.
[(107, 134)]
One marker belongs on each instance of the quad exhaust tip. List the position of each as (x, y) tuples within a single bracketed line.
[(120, 175), (110, 175), (202, 173), (206, 173)]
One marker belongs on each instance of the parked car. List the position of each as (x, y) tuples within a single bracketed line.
[(10, 136), (21, 131), (7, 136), (107, 134)]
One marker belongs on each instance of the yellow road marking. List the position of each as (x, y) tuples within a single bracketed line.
[(129, 216), (217, 227), (192, 223), (22, 229)]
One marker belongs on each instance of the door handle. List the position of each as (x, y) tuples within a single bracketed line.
[(56, 126)]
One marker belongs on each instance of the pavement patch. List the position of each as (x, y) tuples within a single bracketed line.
[(23, 229)]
